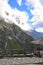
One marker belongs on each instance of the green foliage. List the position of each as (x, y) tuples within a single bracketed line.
[(12, 37)]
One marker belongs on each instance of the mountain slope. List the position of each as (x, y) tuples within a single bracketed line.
[(35, 34), (12, 37)]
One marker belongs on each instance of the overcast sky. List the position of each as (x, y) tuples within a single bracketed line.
[(29, 12)]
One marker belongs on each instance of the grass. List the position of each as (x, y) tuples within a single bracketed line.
[(40, 63)]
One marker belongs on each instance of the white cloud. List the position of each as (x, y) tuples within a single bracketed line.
[(29, 2), (23, 17), (14, 15), (37, 12), (19, 2), (39, 29), (41, 1)]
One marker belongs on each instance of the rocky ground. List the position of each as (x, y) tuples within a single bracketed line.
[(20, 61)]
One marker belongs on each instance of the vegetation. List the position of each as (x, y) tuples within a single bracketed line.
[(40, 63), (13, 40)]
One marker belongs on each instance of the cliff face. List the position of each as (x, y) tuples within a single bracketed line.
[(12, 37), (13, 40)]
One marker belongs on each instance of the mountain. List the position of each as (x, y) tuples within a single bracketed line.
[(38, 43), (35, 34), (12, 37), (38, 47), (14, 40)]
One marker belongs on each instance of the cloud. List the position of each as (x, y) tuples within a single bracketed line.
[(16, 16), (29, 3), (39, 29), (41, 1), (21, 19), (37, 19), (19, 2)]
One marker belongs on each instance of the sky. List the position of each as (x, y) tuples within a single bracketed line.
[(27, 14)]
